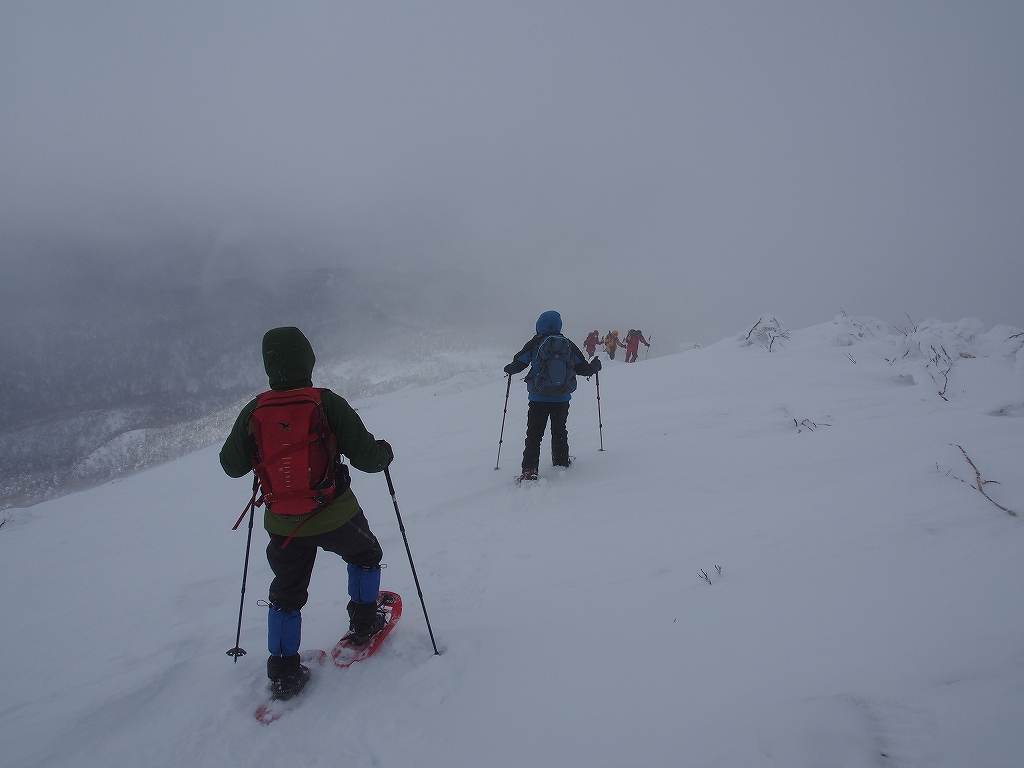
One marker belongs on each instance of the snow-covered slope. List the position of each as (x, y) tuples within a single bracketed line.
[(868, 610)]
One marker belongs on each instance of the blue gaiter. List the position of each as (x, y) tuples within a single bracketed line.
[(284, 631), (363, 584)]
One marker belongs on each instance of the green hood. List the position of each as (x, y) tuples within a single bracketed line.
[(288, 358)]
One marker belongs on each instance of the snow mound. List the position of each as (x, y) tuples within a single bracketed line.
[(965, 338), (847, 330), (933, 349), (933, 337)]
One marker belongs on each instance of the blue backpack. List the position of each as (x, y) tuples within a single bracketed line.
[(552, 374)]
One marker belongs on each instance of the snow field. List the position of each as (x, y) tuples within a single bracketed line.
[(868, 610)]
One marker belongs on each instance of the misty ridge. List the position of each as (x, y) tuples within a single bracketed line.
[(413, 188), (119, 357)]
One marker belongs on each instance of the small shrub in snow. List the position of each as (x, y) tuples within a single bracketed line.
[(767, 331), (847, 330), (940, 364), (1006, 340)]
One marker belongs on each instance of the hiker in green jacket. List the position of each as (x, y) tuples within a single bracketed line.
[(301, 519)]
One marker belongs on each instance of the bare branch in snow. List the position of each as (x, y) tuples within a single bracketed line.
[(944, 364), (949, 473), (809, 425), (980, 486), (704, 576), (909, 329)]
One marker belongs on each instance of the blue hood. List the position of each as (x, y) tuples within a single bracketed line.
[(549, 322)]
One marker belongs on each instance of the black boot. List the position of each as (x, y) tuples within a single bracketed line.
[(365, 621), (529, 474), (287, 676)]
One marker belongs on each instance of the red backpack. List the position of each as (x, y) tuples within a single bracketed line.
[(296, 460)]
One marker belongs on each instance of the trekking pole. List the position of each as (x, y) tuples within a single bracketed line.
[(237, 650), (648, 352), (502, 435), (600, 426), (401, 526)]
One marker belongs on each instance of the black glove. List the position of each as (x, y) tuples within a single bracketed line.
[(510, 369), (387, 449), (595, 364)]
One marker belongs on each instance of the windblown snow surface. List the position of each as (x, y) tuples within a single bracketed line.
[(868, 610)]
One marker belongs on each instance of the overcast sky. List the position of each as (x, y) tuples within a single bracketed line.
[(679, 167)]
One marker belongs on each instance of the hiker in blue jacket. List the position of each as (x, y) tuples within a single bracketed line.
[(551, 381)]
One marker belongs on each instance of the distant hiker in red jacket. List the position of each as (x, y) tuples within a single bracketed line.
[(591, 343), (633, 341)]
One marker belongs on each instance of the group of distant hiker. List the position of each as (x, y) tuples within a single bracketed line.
[(612, 342), (294, 439)]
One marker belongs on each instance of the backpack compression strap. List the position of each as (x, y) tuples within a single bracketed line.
[(252, 502)]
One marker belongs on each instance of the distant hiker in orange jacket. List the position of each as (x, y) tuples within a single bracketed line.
[(611, 343)]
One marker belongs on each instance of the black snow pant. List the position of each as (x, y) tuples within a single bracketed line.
[(536, 420), (293, 565)]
